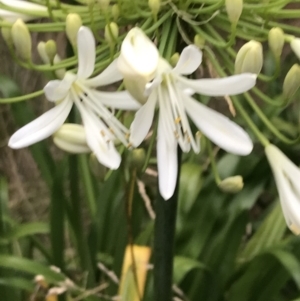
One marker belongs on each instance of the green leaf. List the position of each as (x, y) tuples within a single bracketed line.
[(19, 283), (183, 265), (27, 230), (290, 262), (190, 185), (268, 234), (31, 267)]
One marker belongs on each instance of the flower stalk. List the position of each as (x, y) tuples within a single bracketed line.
[(164, 234)]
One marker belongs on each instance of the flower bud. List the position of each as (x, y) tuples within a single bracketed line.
[(51, 49), (154, 5), (234, 10), (232, 184), (291, 82), (295, 45), (276, 41), (22, 40), (41, 48), (71, 138), (7, 37), (73, 23), (47, 51), (115, 11), (249, 58), (111, 33), (199, 41), (174, 59), (138, 62), (136, 159)]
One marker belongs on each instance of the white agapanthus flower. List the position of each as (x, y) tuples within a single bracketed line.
[(28, 7), (170, 91), (287, 176), (100, 125)]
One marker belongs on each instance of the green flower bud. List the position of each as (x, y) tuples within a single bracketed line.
[(71, 138), (7, 37), (249, 58), (154, 6), (234, 10), (199, 41), (291, 82), (21, 40), (111, 33), (73, 23), (174, 59), (115, 11), (232, 184), (51, 49), (276, 41), (136, 158), (41, 48)]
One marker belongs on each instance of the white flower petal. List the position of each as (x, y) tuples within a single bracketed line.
[(166, 160), (104, 150), (139, 55), (24, 5), (119, 100), (290, 202), (58, 89), (189, 60), (287, 177), (42, 127), (295, 45), (108, 76), (86, 52), (143, 121), (218, 128), (28, 6), (230, 85), (152, 85)]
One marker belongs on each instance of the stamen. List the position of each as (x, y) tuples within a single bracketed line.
[(102, 133), (178, 120)]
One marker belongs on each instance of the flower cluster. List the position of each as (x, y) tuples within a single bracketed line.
[(158, 88), (161, 86)]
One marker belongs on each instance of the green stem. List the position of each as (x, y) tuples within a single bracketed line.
[(267, 122), (164, 235), (22, 98), (213, 162), (259, 135)]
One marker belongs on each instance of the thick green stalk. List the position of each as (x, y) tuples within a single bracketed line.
[(164, 235)]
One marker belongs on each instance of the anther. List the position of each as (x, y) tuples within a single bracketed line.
[(177, 120)]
